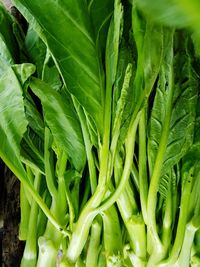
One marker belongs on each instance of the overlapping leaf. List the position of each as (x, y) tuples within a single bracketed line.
[(62, 120), (67, 29), (13, 121)]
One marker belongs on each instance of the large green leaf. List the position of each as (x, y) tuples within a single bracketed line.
[(184, 109), (62, 120), (72, 42), (182, 114), (148, 38), (13, 121)]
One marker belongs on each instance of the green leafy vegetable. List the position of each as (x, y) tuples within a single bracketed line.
[(99, 120)]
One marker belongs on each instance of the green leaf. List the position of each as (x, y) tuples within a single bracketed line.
[(62, 121), (100, 13), (152, 54), (148, 37), (50, 73), (13, 121), (39, 54), (36, 50), (192, 158), (33, 116), (32, 150), (183, 112), (23, 71), (6, 32), (6, 58), (113, 41), (78, 61), (123, 59), (139, 30)]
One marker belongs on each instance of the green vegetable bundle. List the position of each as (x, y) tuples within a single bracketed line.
[(100, 121)]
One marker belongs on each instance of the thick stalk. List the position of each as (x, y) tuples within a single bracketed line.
[(136, 262), (47, 253), (154, 183), (128, 210), (182, 221), (24, 213), (112, 237), (94, 243), (80, 233), (184, 257), (137, 232)]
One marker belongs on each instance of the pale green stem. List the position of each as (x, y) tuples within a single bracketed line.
[(182, 221), (88, 146), (184, 257), (25, 213), (130, 145), (143, 182), (135, 176), (154, 183), (136, 229), (111, 234), (167, 221), (48, 160), (94, 243), (30, 252), (22, 176)]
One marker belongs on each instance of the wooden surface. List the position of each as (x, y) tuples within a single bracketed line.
[(11, 247)]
